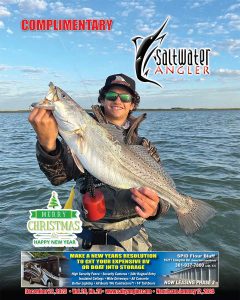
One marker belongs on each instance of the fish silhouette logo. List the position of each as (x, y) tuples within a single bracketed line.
[(145, 50)]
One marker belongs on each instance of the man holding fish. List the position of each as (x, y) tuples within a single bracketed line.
[(126, 209), (119, 177)]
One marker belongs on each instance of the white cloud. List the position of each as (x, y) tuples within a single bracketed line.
[(124, 47), (1, 25), (32, 5), (233, 45), (30, 69), (52, 35), (9, 31), (174, 26), (90, 47), (214, 53), (86, 11), (210, 28), (126, 12), (25, 69), (86, 46), (195, 5), (8, 1), (190, 31), (226, 72), (59, 8), (200, 3), (4, 12), (143, 27), (148, 12), (146, 9), (229, 16), (234, 7), (35, 36), (235, 24), (99, 33), (117, 32), (234, 20), (4, 67)]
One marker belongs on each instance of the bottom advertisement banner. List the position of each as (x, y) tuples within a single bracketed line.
[(91, 272)]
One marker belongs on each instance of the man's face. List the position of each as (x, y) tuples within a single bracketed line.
[(117, 111)]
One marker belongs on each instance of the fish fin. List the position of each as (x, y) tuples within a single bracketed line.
[(134, 40), (195, 215), (80, 140), (146, 73), (142, 152), (164, 207), (80, 131), (77, 162)]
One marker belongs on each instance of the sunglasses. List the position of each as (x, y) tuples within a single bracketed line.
[(112, 96)]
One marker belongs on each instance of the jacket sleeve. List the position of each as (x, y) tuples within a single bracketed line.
[(163, 205), (59, 166)]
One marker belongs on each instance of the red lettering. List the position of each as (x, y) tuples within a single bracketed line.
[(109, 24), (75, 25), (158, 70), (189, 70), (170, 69), (102, 25), (94, 25), (197, 72), (49, 24), (205, 70), (88, 24), (40, 24), (32, 25), (178, 70), (81, 25), (24, 25)]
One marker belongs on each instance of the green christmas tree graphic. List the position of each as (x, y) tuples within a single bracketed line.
[(54, 202)]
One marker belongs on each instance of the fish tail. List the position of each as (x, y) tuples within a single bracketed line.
[(194, 215)]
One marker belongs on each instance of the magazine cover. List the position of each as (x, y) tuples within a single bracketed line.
[(119, 142)]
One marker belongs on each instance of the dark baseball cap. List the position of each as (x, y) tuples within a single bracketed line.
[(120, 80)]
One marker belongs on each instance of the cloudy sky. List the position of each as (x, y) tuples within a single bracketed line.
[(80, 61)]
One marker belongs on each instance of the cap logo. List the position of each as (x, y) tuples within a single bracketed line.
[(120, 80)]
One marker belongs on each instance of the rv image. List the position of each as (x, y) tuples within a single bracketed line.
[(48, 271)]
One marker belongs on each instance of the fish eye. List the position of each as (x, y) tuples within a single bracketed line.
[(63, 95)]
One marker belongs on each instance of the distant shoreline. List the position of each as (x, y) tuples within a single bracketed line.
[(140, 109)]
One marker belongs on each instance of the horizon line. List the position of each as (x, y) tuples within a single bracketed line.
[(142, 109)]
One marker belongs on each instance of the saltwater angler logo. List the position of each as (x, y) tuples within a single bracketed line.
[(54, 226), (169, 61)]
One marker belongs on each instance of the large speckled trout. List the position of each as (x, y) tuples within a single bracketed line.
[(97, 150)]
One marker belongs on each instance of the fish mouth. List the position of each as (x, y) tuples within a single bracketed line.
[(45, 104), (48, 102)]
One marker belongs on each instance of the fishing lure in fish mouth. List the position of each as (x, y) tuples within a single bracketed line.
[(48, 102), (143, 55)]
